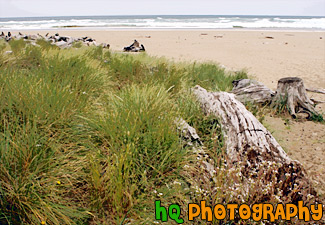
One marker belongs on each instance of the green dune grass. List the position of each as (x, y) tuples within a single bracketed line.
[(87, 136)]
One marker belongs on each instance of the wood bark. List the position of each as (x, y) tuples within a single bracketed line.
[(250, 144), (241, 127)]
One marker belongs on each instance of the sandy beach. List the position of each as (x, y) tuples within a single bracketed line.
[(267, 56)]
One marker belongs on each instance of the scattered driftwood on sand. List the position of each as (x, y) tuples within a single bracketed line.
[(58, 40), (251, 145), (134, 47)]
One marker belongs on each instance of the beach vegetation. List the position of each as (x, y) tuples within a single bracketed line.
[(317, 118), (77, 44), (88, 136), (45, 45)]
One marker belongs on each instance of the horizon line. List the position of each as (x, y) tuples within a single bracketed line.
[(131, 15)]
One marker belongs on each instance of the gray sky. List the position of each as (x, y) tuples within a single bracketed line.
[(26, 8)]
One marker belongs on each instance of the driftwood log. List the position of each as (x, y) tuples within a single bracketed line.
[(247, 90), (250, 144), (134, 47), (290, 94)]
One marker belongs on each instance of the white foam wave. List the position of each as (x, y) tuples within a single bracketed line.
[(169, 22)]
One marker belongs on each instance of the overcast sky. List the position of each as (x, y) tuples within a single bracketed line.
[(26, 8)]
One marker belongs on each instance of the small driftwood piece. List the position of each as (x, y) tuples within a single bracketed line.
[(321, 91), (291, 91), (247, 90), (134, 47), (192, 139), (248, 142), (317, 101)]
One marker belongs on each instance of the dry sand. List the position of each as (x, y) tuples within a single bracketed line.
[(265, 55), (290, 53)]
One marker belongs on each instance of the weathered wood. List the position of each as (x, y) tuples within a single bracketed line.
[(250, 144), (317, 101), (134, 47), (240, 126), (192, 139), (291, 92), (321, 91), (60, 41), (247, 90), (62, 44)]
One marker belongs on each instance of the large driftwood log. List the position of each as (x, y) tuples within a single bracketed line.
[(249, 142), (241, 127), (247, 90), (291, 91)]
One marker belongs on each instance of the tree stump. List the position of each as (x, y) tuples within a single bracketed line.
[(251, 145), (291, 93)]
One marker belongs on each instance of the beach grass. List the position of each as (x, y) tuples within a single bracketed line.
[(88, 136)]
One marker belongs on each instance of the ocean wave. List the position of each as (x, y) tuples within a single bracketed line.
[(153, 22)]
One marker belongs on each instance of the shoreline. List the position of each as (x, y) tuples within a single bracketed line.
[(164, 29)]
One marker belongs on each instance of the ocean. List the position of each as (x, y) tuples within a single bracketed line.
[(164, 22)]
